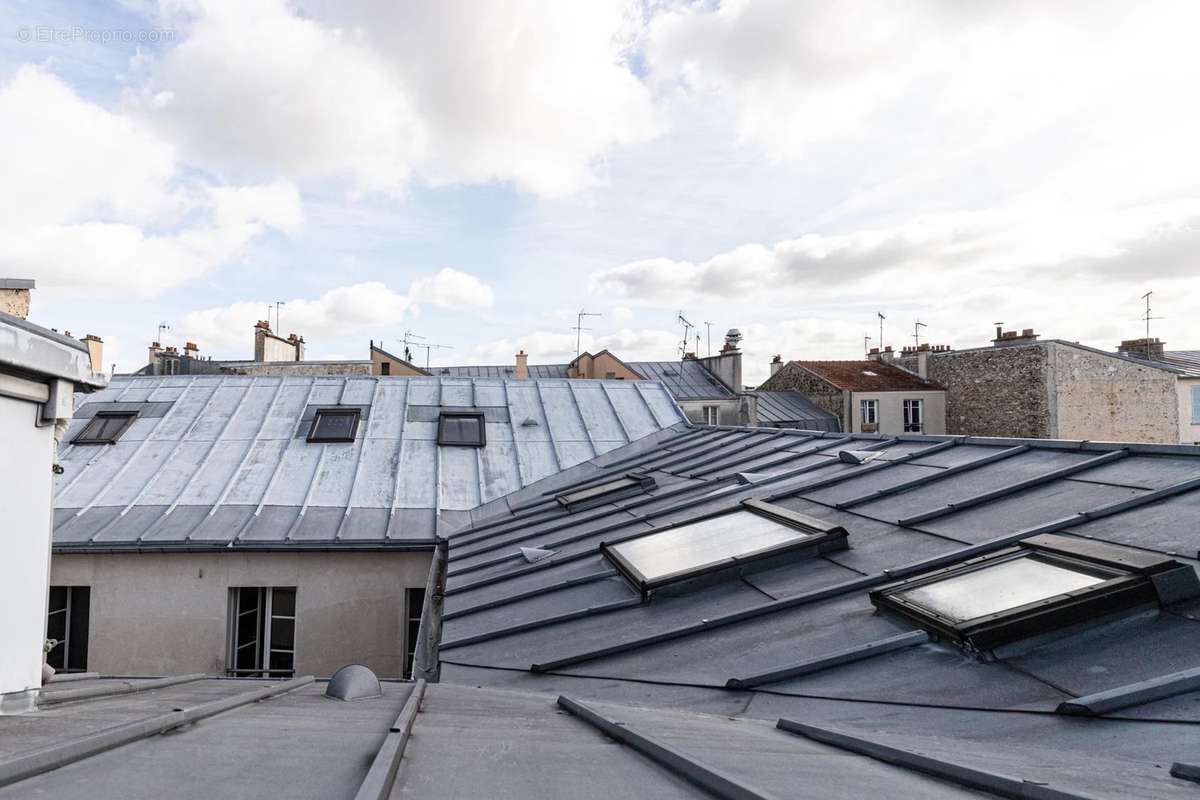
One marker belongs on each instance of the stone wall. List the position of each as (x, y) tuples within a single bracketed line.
[(826, 396), (1104, 398), (298, 368), (994, 392), (15, 302)]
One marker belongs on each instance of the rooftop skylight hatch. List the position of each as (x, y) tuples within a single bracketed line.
[(461, 429), (334, 425), (592, 496), (105, 427), (1042, 584), (758, 536)]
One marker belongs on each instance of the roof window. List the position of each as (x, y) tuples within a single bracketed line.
[(334, 425), (105, 427), (600, 494), (758, 536), (461, 429), (1043, 583)]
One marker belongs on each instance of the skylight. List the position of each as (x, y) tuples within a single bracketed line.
[(729, 543), (461, 429), (334, 425), (106, 427), (598, 495), (1045, 582)]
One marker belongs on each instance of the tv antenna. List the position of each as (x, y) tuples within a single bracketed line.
[(278, 305), (917, 332), (687, 328), (412, 340), (162, 326), (867, 343), (881, 319), (579, 329), (1147, 316), (709, 326)]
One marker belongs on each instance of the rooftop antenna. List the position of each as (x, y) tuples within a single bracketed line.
[(881, 319), (709, 326), (1147, 316), (687, 327), (162, 326), (917, 332), (867, 343), (579, 329), (278, 304), (411, 338)]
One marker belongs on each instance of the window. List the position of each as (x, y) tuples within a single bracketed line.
[(67, 625), (869, 411), (914, 416), (385, 368), (729, 543), (710, 415), (598, 495), (414, 600), (461, 429), (609, 376), (1196, 405), (262, 631), (334, 425), (1043, 583), (105, 427)]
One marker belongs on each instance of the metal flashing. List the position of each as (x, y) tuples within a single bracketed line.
[(1134, 694), (924, 480), (116, 688), (497, 633), (381, 776), (849, 655)]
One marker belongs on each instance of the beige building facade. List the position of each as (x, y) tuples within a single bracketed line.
[(170, 613)]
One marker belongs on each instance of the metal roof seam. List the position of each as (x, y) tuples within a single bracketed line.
[(362, 451), (545, 622), (613, 407), (946, 472), (537, 592), (229, 484)]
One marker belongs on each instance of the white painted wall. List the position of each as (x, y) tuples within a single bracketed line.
[(891, 410), (26, 457)]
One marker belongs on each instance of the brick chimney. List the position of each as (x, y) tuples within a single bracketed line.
[(95, 346), (887, 355), (191, 350), (1008, 338), (14, 296), (298, 343), (776, 363), (1151, 349), (155, 349), (522, 370)]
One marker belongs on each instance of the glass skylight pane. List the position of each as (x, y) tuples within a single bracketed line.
[(999, 587), (701, 544), (334, 426)]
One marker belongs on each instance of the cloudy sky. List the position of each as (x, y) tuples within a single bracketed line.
[(476, 172)]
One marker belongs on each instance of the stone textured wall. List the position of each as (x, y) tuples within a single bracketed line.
[(826, 396), (15, 302), (1104, 398), (300, 368), (994, 392)]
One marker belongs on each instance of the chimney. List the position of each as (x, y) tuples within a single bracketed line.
[(262, 329), (298, 344), (887, 355), (95, 346), (1151, 349), (776, 363), (522, 365), (14, 296), (155, 349), (191, 350), (1008, 338), (733, 337)]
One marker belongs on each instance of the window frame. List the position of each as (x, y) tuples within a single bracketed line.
[(873, 404), (820, 537), (411, 634), (908, 404), (334, 411), (266, 615), (385, 368), (83, 438), (441, 429), (599, 494), (1195, 397), (71, 628), (1128, 584), (714, 412)]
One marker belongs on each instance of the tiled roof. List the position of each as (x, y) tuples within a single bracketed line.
[(214, 459), (867, 376)]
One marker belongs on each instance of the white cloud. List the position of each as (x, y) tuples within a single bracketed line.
[(622, 315), (450, 288), (92, 199), (458, 91)]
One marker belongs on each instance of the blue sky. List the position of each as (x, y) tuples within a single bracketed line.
[(478, 172)]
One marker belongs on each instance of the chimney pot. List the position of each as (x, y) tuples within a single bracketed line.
[(522, 370)]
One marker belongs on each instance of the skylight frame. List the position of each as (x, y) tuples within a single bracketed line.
[(441, 430), (83, 438), (629, 485), (817, 537), (1128, 583), (334, 411)]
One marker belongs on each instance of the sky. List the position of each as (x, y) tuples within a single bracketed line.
[(477, 173)]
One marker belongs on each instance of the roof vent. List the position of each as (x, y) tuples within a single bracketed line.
[(536, 554), (857, 456), (353, 682), (529, 422)]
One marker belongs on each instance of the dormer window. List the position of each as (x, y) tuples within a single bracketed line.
[(461, 429), (759, 536), (1045, 582), (105, 427), (332, 425), (602, 493)]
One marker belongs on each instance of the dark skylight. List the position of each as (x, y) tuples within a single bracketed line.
[(461, 429), (592, 496), (106, 427), (334, 425)]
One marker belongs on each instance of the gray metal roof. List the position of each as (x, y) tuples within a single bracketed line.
[(213, 460), (793, 410), (686, 380), (502, 371), (1186, 360), (570, 624)]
